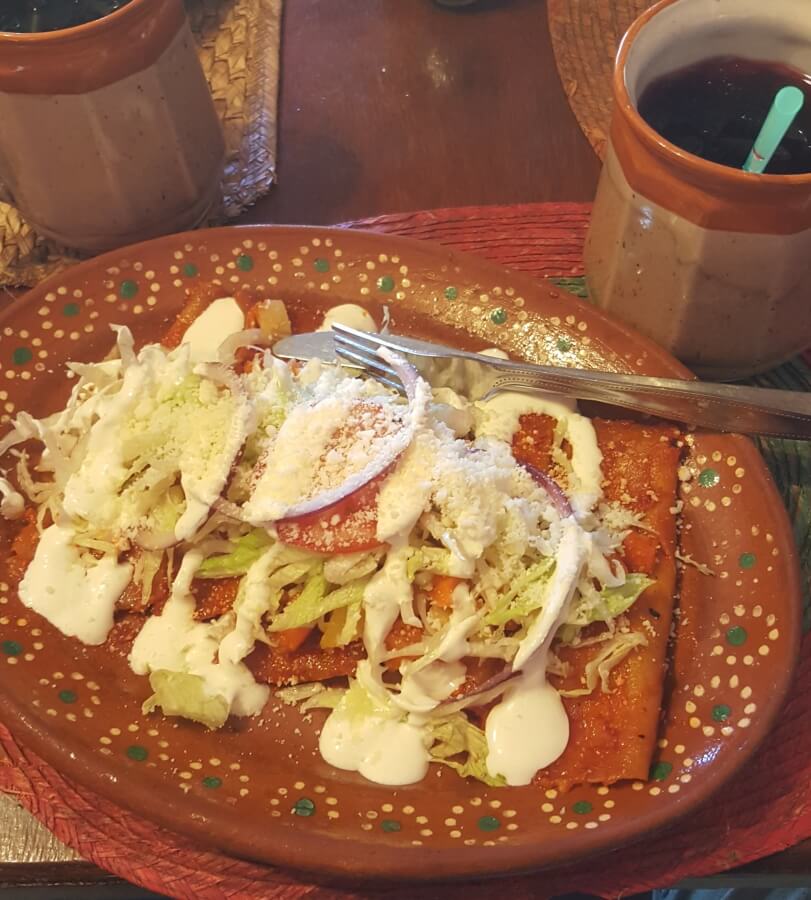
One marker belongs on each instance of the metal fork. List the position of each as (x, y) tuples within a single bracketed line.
[(720, 407)]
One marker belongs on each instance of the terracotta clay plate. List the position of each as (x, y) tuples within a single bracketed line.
[(258, 788)]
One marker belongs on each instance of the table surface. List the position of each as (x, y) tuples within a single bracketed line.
[(392, 106)]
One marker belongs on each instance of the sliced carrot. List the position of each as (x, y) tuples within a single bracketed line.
[(441, 593), (289, 641)]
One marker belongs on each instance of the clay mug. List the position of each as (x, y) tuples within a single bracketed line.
[(712, 262), (108, 132)]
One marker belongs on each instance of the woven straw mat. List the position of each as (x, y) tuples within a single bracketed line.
[(585, 37), (239, 49)]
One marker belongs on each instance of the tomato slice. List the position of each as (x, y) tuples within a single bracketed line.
[(347, 526)]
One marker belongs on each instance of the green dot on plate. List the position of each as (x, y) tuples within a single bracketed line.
[(320, 264), (564, 345), (11, 648), (659, 771), (498, 316), (385, 283), (747, 560), (70, 309), (211, 782), (190, 270), (390, 825), (489, 823), (304, 807), (128, 289), (721, 712), (582, 807), (21, 356), (736, 635), (709, 478), (137, 753), (67, 696), (451, 293), (245, 262)]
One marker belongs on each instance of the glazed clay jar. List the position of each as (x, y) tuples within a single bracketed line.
[(108, 133), (711, 262)]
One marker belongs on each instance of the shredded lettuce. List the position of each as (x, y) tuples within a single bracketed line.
[(311, 696), (157, 528), (245, 551), (357, 704), (260, 592), (599, 669), (145, 570), (343, 625), (349, 567), (458, 743), (182, 694), (429, 559), (314, 601), (610, 602), (171, 426), (525, 596)]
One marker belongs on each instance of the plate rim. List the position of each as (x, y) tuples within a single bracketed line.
[(399, 863)]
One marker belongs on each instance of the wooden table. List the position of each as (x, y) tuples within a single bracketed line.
[(389, 106)]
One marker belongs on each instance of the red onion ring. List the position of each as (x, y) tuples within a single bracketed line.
[(418, 394), (559, 500)]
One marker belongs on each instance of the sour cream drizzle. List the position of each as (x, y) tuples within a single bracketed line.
[(500, 418), (527, 731), (377, 742), (175, 641), (76, 595), (387, 595)]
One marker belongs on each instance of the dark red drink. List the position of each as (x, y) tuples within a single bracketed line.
[(714, 109)]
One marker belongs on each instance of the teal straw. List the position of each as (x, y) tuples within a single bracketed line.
[(788, 101)]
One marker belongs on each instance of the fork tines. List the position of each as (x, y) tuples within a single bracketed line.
[(361, 349)]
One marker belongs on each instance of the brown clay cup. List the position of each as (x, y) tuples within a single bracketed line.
[(711, 262), (108, 133)]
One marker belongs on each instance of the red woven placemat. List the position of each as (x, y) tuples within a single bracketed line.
[(763, 810)]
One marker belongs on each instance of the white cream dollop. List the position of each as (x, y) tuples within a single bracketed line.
[(383, 750), (76, 595), (217, 322), (378, 742), (527, 731), (351, 315), (494, 353)]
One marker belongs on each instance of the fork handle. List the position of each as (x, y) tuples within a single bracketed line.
[(721, 407)]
